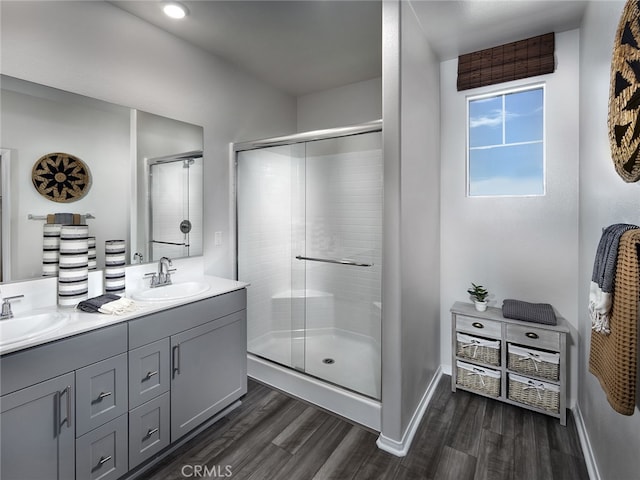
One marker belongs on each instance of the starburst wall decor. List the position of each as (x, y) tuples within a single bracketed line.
[(624, 95), (61, 177)]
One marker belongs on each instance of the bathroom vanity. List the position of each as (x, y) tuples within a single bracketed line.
[(111, 400)]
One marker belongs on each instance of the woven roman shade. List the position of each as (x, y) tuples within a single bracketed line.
[(512, 61)]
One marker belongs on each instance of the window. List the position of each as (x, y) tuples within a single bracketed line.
[(505, 140)]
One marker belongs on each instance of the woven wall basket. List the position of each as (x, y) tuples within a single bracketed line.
[(61, 177), (624, 95)]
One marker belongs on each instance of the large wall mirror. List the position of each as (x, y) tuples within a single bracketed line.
[(145, 186)]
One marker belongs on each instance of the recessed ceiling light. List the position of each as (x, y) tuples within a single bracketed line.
[(175, 10)]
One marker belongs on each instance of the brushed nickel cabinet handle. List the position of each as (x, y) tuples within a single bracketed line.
[(151, 374), (67, 418), (176, 360), (531, 335), (104, 460), (477, 325), (104, 395), (151, 431), (68, 389)]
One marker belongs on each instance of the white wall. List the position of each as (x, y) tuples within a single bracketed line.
[(524, 248), (98, 50), (604, 199), (420, 243), (411, 248), (338, 107)]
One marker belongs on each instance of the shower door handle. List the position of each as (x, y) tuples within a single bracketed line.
[(331, 260)]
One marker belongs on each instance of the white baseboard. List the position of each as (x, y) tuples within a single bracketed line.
[(587, 451), (401, 448)]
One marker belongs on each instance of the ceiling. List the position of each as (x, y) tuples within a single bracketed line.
[(305, 46)]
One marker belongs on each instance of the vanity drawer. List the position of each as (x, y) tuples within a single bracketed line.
[(533, 337), (101, 393), (102, 453), (149, 374), (478, 326), (149, 429)]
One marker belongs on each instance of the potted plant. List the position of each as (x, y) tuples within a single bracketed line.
[(479, 295)]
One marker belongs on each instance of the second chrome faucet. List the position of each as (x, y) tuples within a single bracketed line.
[(163, 276)]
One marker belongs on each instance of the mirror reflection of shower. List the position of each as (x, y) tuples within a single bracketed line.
[(175, 211)]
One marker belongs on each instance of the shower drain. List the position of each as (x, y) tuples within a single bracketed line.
[(328, 361)]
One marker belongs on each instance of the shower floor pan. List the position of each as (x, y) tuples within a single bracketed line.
[(349, 384)]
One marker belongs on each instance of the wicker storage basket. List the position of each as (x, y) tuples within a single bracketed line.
[(536, 363), (479, 349), (534, 392), (478, 379)]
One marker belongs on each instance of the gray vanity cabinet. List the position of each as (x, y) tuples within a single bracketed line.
[(38, 408), (208, 371), (38, 440), (99, 404)]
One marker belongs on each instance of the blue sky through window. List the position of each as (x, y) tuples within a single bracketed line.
[(506, 150)]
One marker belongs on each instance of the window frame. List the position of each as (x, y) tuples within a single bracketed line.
[(502, 92)]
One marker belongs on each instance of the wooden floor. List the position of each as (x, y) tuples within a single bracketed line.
[(462, 436)]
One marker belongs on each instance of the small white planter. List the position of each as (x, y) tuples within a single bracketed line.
[(480, 306)]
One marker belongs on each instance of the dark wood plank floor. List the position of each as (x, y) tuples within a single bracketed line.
[(462, 436)]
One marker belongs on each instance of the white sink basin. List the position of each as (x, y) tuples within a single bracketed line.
[(26, 326), (176, 291)]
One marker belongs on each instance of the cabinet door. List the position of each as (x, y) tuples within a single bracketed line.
[(101, 393), (209, 371), (148, 372), (36, 433)]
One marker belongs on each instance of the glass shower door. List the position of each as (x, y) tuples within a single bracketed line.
[(309, 219), (342, 259), (270, 219)]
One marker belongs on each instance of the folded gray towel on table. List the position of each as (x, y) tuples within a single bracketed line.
[(529, 312), (92, 305)]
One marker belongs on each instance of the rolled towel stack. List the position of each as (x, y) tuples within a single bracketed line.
[(73, 271), (529, 312)]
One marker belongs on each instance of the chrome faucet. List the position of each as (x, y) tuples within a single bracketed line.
[(163, 276), (6, 312)]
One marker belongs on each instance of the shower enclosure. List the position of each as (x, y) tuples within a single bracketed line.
[(309, 242)]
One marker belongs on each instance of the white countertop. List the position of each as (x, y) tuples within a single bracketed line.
[(81, 322)]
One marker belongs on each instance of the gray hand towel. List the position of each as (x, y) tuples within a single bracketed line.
[(92, 305)]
